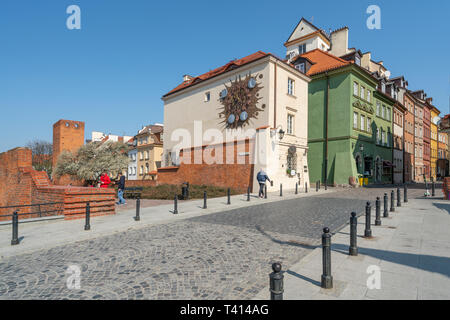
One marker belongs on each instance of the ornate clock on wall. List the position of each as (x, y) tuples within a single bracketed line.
[(239, 101)]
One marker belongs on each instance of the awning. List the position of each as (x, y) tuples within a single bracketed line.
[(387, 163)]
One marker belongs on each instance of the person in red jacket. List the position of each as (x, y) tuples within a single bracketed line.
[(104, 180)]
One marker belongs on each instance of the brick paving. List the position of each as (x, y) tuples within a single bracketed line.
[(219, 256)]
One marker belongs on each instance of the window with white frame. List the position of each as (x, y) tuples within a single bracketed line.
[(301, 67), (290, 86), (355, 120), (369, 124), (368, 95), (355, 88), (290, 124), (388, 114), (363, 123), (378, 108), (302, 48), (362, 92), (383, 112), (207, 96)]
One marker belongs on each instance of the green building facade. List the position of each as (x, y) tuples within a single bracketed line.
[(358, 137)]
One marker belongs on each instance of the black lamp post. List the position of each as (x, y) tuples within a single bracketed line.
[(361, 148)]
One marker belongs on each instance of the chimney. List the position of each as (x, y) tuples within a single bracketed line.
[(339, 42), (429, 100), (187, 77)]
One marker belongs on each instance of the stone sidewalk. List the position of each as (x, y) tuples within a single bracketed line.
[(48, 234), (411, 249)]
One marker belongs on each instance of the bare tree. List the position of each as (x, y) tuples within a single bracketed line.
[(42, 152)]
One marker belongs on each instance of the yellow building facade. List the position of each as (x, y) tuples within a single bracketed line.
[(149, 151), (434, 142)]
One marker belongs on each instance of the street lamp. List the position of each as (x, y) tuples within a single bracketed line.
[(281, 132)]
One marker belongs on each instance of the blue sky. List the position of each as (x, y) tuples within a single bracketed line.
[(112, 73)]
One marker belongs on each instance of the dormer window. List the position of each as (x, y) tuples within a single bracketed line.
[(383, 87), (301, 67), (302, 48)]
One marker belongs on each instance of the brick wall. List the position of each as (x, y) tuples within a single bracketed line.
[(236, 176), (140, 183), (15, 186), (20, 184)]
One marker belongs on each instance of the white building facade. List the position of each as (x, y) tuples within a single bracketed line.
[(260, 98)]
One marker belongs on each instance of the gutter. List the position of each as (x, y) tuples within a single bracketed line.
[(326, 131)]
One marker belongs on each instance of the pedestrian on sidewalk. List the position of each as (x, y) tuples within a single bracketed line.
[(120, 189), (104, 180), (262, 177)]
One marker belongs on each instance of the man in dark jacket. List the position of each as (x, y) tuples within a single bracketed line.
[(121, 188), (262, 177)]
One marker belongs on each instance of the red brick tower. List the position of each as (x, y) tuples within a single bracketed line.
[(67, 135)]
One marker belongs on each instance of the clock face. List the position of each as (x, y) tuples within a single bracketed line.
[(239, 101)]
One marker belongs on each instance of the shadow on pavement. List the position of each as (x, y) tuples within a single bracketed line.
[(290, 243), (443, 206), (425, 262), (295, 274)]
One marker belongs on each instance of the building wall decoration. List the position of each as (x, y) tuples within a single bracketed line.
[(240, 101)]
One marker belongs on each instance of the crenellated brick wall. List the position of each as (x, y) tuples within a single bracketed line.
[(20, 184)]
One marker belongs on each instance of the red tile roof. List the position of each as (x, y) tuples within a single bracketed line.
[(218, 71), (323, 61)]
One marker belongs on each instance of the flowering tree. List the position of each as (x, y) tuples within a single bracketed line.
[(91, 160)]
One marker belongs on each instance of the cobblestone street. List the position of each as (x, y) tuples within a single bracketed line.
[(224, 255)]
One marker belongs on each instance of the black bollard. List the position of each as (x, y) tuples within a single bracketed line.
[(327, 279), (296, 188), (378, 212), (318, 183), (281, 189), (317, 186), (433, 193), (367, 230), (248, 194), (399, 203), (392, 201), (204, 200), (353, 249), (15, 229), (276, 282), (385, 212), (405, 193), (228, 196), (87, 225), (265, 192), (175, 205), (306, 187), (138, 209)]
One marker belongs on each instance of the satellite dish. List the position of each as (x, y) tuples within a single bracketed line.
[(436, 120)]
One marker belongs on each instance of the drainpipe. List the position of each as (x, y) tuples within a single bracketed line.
[(326, 131), (275, 98)]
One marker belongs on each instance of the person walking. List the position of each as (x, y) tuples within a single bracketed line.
[(120, 189), (104, 180), (262, 177)]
